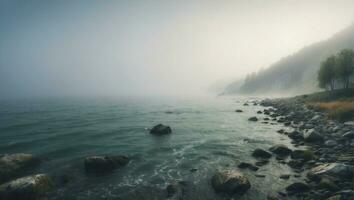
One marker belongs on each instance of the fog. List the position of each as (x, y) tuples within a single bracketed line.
[(64, 48)]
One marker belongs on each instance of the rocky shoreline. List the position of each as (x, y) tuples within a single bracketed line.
[(323, 158), (328, 159)]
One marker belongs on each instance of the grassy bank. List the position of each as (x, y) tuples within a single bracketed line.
[(338, 104)]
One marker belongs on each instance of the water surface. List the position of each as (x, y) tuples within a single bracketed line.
[(207, 135)]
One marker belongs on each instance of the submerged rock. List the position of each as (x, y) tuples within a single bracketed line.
[(260, 153), (26, 188), (160, 129), (238, 110), (280, 150), (296, 135), (105, 163), (231, 182), (13, 165), (349, 134)]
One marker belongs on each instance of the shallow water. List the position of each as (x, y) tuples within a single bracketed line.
[(207, 135)]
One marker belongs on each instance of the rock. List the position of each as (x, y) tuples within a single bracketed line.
[(297, 187), (175, 190), (253, 119), (296, 135), (327, 184), (103, 164), (14, 165), (244, 165), (333, 170), (296, 164), (349, 134), (238, 111), (260, 175), (245, 104), (335, 197), (260, 153), (160, 129), (259, 112), (331, 143), (312, 136), (280, 150), (305, 155), (231, 182), (284, 176), (26, 188), (349, 123), (261, 163)]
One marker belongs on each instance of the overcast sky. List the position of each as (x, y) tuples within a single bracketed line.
[(135, 47)]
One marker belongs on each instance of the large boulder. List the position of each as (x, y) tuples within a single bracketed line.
[(231, 182), (103, 164), (313, 136), (280, 150), (14, 165), (260, 153), (26, 188), (160, 129), (336, 170)]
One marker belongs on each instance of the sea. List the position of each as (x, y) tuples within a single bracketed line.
[(207, 135)]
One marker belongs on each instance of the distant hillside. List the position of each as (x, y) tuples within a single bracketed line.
[(296, 73)]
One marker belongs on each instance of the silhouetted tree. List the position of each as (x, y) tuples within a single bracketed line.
[(326, 74), (345, 66)]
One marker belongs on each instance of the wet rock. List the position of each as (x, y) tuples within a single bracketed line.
[(14, 165), (327, 184), (245, 104), (280, 150), (101, 164), (305, 155), (26, 188), (260, 153), (296, 135), (331, 143), (244, 165), (296, 164), (260, 175), (285, 176), (313, 136), (297, 187), (239, 111), (349, 134), (160, 129), (335, 197), (175, 190), (261, 163), (259, 112), (332, 169), (231, 182), (253, 119)]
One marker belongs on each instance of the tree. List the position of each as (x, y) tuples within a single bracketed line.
[(326, 75), (345, 66)]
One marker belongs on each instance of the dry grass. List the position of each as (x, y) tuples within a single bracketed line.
[(339, 110)]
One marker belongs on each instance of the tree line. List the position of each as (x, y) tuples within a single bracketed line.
[(337, 70)]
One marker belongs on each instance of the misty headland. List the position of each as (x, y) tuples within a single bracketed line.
[(212, 100)]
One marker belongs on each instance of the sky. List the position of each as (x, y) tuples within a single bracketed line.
[(165, 47)]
